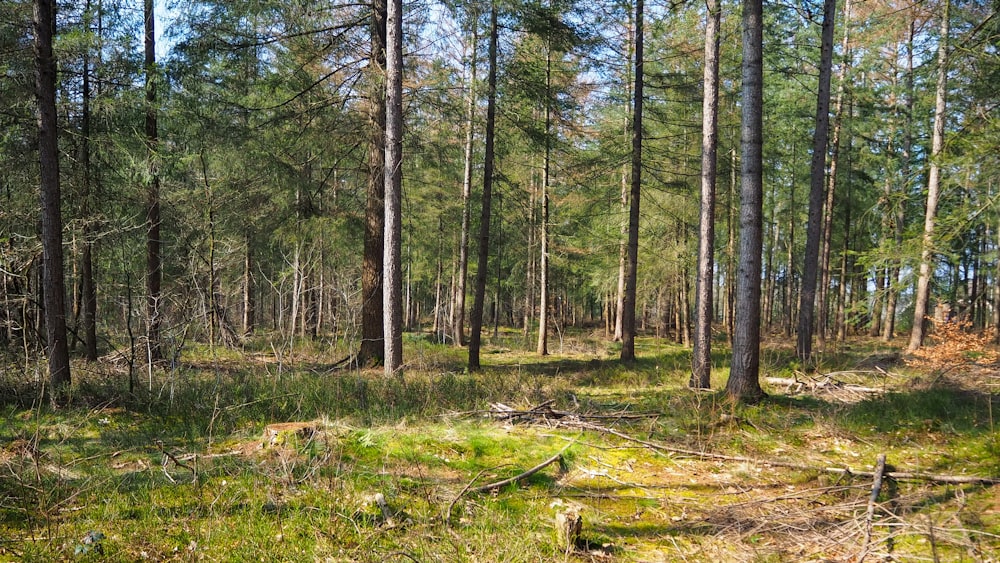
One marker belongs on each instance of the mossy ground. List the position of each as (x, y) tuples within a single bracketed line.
[(177, 469)]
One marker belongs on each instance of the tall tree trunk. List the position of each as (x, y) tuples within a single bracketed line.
[(88, 290), (825, 272), (543, 265), (744, 374), (632, 258), (900, 212), (845, 272), (458, 318), (529, 291), (790, 257), (730, 306), (807, 296), (701, 357), (476, 320), (392, 267), (623, 240), (51, 217), (372, 350), (154, 260), (922, 296)]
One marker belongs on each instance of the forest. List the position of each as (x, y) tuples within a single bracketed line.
[(703, 252)]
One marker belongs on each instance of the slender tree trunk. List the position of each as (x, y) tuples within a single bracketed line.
[(730, 309), (744, 374), (54, 290), (437, 326), (392, 269), (213, 320), (249, 308), (807, 295), (996, 294), (88, 289), (825, 276), (458, 326), (701, 356), (904, 177), (845, 273), (922, 296), (476, 320), (769, 276), (529, 291), (790, 257), (154, 260), (632, 260), (625, 187), (622, 258), (543, 265), (372, 337), (875, 328)]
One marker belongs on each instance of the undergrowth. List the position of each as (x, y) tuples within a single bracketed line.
[(180, 468)]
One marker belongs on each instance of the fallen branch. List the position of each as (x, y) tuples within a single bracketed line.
[(823, 384), (525, 475), (545, 410), (897, 475), (447, 513), (872, 500)]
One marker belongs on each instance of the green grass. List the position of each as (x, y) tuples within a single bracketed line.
[(123, 464)]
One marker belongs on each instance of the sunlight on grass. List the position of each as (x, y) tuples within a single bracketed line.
[(181, 469)]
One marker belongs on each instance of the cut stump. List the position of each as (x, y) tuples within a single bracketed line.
[(288, 434), (568, 526)]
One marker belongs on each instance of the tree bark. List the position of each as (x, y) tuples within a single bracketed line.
[(476, 320), (249, 308), (392, 266), (54, 298), (744, 375), (922, 296), (825, 271), (632, 250), (371, 351), (623, 241), (542, 348), (701, 362), (154, 259), (900, 213), (730, 305), (458, 322), (790, 258), (87, 289), (807, 296)]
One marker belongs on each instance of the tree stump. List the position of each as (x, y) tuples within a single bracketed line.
[(568, 525), (288, 434)]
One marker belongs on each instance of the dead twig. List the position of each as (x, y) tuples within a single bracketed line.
[(872, 500), (447, 513), (525, 475)]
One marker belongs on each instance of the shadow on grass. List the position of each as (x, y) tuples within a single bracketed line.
[(940, 407)]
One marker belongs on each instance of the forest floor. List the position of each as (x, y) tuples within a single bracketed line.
[(270, 455)]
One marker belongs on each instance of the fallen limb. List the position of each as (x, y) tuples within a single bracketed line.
[(814, 385), (545, 410), (447, 513), (897, 475), (872, 500), (525, 475)]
